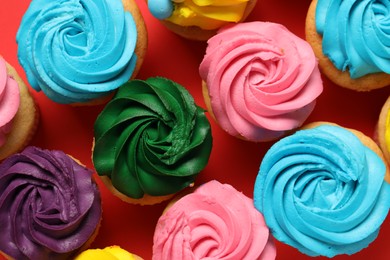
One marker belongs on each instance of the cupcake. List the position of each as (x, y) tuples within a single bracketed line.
[(383, 130), (19, 115), (351, 39), (107, 253), (80, 52), (322, 190), (214, 222), (260, 81), (150, 141), (199, 20), (50, 206)]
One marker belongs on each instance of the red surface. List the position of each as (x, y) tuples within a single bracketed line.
[(232, 161)]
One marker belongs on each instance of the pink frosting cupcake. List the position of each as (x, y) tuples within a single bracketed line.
[(260, 81), (9, 101), (19, 115), (215, 222)]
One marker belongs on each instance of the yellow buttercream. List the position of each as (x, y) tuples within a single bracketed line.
[(207, 14), (387, 132), (108, 253)]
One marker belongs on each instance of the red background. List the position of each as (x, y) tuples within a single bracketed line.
[(232, 161)]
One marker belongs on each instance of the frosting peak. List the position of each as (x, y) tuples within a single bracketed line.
[(77, 50), (323, 192), (214, 222), (49, 205), (9, 101)]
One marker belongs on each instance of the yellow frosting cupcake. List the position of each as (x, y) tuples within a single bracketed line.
[(108, 253), (383, 130), (200, 19)]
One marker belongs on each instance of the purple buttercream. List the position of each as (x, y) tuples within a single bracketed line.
[(49, 205)]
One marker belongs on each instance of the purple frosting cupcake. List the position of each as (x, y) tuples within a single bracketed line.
[(50, 206)]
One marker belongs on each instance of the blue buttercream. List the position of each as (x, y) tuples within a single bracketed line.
[(322, 191), (355, 34), (77, 50)]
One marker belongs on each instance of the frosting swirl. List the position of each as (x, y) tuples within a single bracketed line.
[(77, 50), (151, 138), (262, 80), (107, 253), (206, 14), (214, 222), (49, 205), (355, 34), (323, 192), (9, 101)]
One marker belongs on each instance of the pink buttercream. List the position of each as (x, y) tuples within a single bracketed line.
[(9, 101), (214, 222), (262, 80)]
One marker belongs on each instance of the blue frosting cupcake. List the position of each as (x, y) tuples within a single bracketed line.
[(80, 51), (322, 190)]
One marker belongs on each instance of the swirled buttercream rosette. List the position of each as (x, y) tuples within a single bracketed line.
[(214, 222), (49, 205), (351, 40), (151, 140), (322, 191), (77, 51), (260, 80)]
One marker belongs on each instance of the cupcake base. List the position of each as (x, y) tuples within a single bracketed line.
[(142, 37), (145, 200)]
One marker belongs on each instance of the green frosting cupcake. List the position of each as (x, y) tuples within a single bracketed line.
[(151, 138)]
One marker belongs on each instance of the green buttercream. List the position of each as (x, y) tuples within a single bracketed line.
[(151, 138)]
